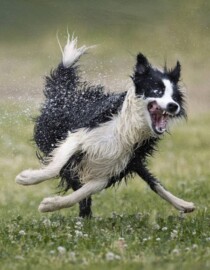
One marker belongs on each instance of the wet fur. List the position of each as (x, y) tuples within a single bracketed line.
[(92, 139)]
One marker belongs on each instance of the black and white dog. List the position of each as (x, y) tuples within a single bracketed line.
[(92, 139)]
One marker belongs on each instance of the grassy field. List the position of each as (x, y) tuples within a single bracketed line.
[(132, 227)]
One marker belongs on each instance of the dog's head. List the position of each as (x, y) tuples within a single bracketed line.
[(161, 93)]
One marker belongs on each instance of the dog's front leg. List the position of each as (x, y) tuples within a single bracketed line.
[(58, 159), (58, 202), (155, 185)]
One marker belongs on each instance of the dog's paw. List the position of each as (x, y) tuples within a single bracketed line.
[(28, 177), (187, 207), (50, 204)]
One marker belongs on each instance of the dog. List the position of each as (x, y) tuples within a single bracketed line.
[(92, 139)]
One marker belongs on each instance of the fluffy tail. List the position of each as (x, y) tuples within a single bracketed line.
[(64, 79), (61, 94), (71, 53)]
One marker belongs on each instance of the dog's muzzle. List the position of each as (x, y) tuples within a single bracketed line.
[(160, 117)]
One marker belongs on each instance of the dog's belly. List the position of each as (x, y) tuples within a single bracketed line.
[(102, 168)]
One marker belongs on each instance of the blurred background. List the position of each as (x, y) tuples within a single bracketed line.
[(163, 30)]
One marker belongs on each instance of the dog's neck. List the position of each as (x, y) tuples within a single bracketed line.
[(109, 147), (132, 124)]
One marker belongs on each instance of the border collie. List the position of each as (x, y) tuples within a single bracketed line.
[(92, 139)]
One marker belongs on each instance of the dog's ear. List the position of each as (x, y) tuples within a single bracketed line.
[(175, 73), (142, 65)]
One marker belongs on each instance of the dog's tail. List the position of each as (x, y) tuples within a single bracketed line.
[(64, 79), (71, 53)]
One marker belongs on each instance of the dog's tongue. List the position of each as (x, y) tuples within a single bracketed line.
[(159, 121)]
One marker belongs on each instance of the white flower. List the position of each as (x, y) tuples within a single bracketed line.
[(175, 251), (39, 237), (110, 256), (69, 235), (114, 214), (72, 256), (22, 233), (117, 257), (174, 234), (138, 216), (53, 236), (47, 222), (61, 250), (55, 224), (158, 239), (194, 246), (164, 229), (156, 226), (78, 233), (78, 224)]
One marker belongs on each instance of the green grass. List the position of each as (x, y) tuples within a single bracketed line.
[(132, 227)]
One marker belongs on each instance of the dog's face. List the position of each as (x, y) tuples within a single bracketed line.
[(161, 93)]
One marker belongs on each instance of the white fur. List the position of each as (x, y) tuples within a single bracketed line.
[(108, 148), (58, 159), (58, 202), (163, 103), (166, 98), (71, 53), (176, 202)]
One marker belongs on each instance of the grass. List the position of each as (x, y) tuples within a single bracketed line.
[(132, 227)]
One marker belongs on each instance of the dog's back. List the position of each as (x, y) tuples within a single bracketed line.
[(92, 139), (71, 104)]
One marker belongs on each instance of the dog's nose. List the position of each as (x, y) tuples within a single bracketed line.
[(172, 107)]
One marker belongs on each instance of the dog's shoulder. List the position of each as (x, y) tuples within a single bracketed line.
[(99, 107)]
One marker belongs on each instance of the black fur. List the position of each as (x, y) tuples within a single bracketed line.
[(71, 104)]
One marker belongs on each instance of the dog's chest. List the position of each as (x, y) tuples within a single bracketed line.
[(109, 147), (108, 161)]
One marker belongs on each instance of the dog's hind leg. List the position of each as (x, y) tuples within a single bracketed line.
[(55, 203), (58, 159), (85, 208), (85, 204), (155, 185)]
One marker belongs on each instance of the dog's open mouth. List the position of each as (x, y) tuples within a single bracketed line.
[(159, 117)]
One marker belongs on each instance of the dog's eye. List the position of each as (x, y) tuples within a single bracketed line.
[(157, 92)]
